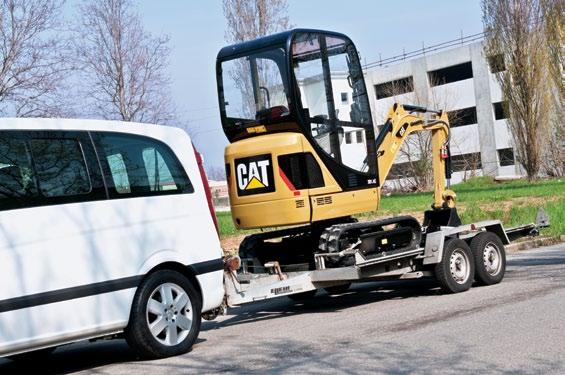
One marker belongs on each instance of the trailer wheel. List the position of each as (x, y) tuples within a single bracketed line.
[(337, 289), (165, 316), (303, 296), (456, 269), (490, 258)]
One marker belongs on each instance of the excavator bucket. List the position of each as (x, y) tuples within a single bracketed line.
[(446, 217)]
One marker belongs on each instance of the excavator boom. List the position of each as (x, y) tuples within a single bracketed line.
[(404, 120)]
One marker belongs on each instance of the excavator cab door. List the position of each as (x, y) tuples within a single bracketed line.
[(333, 105)]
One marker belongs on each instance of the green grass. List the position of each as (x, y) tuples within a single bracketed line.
[(481, 198), (226, 224)]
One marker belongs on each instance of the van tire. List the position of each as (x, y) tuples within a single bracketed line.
[(160, 303)]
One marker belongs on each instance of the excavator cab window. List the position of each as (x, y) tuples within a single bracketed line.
[(327, 69), (306, 81), (254, 88)]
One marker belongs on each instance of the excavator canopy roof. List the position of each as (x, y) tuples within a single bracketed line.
[(282, 39)]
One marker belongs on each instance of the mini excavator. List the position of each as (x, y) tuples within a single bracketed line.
[(303, 157)]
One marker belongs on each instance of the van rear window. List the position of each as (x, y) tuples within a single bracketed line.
[(139, 166)]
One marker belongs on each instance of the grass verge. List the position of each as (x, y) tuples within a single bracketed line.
[(513, 202)]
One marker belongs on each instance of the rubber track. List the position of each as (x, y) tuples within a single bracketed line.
[(330, 238)]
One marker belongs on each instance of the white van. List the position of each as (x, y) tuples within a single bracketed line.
[(105, 228)]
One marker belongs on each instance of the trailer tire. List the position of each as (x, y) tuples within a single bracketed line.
[(298, 297), (456, 269), (490, 258)]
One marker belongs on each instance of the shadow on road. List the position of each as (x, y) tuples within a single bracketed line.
[(360, 294), (89, 356), (73, 358)]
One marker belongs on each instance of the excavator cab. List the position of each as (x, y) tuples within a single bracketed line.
[(294, 106)]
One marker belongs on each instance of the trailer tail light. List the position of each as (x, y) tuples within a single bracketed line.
[(444, 152), (206, 188), (232, 263)]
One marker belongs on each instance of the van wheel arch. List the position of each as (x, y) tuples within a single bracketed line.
[(186, 271)]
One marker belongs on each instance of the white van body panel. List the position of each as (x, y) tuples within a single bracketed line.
[(53, 248)]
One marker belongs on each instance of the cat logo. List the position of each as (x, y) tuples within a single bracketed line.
[(254, 175)]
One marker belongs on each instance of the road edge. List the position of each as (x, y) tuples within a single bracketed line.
[(534, 243)]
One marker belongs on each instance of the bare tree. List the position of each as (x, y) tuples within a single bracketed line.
[(32, 58), (516, 30), (554, 21), (251, 19), (553, 162), (123, 65), (247, 20)]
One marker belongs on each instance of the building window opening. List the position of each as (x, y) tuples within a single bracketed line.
[(359, 134), (466, 162), (450, 74), (500, 110), (396, 87), (462, 117), (496, 63), (506, 157)]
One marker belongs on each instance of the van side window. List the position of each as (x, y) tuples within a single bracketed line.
[(160, 177), (139, 166), (41, 168), (16, 175), (60, 167), (119, 173)]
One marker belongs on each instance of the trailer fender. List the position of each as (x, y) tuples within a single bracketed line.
[(433, 250), (498, 229)]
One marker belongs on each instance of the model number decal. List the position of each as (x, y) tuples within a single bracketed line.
[(402, 130), (281, 290)]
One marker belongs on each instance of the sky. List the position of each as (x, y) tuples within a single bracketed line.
[(378, 28)]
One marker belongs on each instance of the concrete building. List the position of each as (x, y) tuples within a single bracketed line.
[(462, 81)]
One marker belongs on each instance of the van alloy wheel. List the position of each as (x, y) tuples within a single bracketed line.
[(165, 315), (169, 314)]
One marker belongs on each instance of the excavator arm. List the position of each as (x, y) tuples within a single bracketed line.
[(403, 120)]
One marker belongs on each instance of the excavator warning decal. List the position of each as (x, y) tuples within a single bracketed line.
[(254, 175)]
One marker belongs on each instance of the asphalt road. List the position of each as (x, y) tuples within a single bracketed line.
[(515, 327)]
